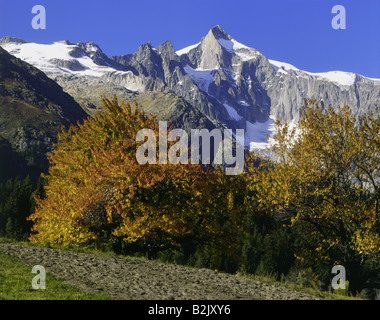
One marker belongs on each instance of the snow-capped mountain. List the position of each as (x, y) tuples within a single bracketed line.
[(84, 59), (233, 85)]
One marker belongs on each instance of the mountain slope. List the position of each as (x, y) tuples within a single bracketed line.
[(32, 110)]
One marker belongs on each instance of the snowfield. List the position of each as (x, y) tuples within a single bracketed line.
[(257, 134), (46, 58), (201, 77), (339, 77), (232, 112)]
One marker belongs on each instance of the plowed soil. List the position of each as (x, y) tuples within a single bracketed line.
[(135, 279)]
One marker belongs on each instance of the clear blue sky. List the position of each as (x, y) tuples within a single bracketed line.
[(294, 31)]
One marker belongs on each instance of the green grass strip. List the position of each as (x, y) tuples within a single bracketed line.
[(16, 284)]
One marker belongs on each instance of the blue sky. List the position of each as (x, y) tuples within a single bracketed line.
[(294, 31)]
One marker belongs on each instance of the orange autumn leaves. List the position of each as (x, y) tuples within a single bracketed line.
[(324, 184), (96, 187)]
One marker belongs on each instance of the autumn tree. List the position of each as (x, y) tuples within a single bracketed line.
[(98, 192), (325, 182)]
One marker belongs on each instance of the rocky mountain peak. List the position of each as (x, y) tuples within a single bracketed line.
[(211, 54), (145, 47), (6, 40), (219, 33), (89, 47), (96, 54), (144, 52), (166, 49)]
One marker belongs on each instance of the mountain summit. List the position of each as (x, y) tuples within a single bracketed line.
[(219, 33), (231, 84)]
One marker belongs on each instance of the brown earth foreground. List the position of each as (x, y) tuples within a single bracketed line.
[(135, 279)]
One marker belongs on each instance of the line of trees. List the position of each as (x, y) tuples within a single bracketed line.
[(314, 207), (16, 204)]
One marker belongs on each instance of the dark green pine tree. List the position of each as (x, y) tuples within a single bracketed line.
[(16, 203)]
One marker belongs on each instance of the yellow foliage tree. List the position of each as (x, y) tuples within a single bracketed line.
[(325, 182), (96, 190)]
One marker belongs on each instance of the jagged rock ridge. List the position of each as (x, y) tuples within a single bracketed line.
[(231, 84)]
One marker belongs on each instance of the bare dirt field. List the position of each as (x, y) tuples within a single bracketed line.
[(135, 279)]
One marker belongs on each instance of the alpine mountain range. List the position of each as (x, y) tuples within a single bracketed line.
[(217, 82)]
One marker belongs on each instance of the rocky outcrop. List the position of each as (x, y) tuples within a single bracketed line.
[(289, 88)]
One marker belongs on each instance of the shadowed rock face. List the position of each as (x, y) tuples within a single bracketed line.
[(22, 81), (33, 108), (289, 89), (231, 84)]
